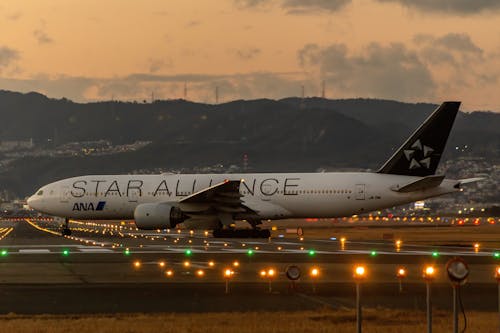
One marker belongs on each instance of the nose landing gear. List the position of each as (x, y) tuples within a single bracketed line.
[(66, 231)]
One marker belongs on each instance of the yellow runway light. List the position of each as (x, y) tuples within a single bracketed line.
[(228, 273), (359, 272), (429, 273), (497, 273)]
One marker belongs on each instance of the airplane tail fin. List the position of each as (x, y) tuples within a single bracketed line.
[(420, 154)]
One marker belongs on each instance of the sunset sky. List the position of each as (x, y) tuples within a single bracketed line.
[(408, 50)]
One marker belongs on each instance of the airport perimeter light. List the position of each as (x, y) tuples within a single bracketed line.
[(359, 272), (137, 264), (161, 263), (270, 274), (312, 253), (4, 253), (429, 274), (188, 252), (398, 244), (359, 276), (342, 243), (228, 275), (314, 274), (497, 273), (65, 252), (401, 274), (169, 273), (200, 273)]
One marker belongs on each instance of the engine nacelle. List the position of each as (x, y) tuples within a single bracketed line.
[(151, 216)]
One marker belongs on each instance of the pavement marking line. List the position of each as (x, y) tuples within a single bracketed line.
[(42, 229), (321, 302), (96, 250), (34, 251)]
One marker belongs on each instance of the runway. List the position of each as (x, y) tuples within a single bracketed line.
[(115, 268)]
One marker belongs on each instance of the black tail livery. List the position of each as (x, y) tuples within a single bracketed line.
[(420, 154)]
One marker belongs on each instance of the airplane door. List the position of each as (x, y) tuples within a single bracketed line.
[(360, 191), (64, 194)]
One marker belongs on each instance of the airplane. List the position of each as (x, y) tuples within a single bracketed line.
[(216, 201)]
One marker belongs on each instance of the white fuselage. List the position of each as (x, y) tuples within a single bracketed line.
[(272, 196)]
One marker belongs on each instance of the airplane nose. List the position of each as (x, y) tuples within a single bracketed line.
[(32, 202)]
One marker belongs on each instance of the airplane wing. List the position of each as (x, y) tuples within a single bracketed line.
[(224, 197)]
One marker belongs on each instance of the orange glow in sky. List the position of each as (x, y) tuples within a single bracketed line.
[(425, 51)]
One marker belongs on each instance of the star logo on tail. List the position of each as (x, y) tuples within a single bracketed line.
[(419, 155)]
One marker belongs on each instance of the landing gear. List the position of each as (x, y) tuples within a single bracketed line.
[(66, 231), (241, 233)]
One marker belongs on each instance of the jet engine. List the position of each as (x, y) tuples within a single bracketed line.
[(151, 216)]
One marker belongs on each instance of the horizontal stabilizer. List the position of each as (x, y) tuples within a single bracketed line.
[(419, 185), (467, 181)]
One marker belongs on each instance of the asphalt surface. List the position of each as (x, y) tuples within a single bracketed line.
[(114, 268)]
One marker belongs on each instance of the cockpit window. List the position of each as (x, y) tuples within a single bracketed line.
[(40, 192)]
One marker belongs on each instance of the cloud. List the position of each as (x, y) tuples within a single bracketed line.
[(74, 88), (251, 3), (139, 86), (193, 23), (460, 7), (42, 37), (14, 16), (312, 6), (295, 6), (7, 56), (248, 53), (456, 49), (391, 71), (155, 65)]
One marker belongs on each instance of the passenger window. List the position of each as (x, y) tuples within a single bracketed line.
[(40, 192)]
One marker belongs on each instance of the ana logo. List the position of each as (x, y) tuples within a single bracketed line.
[(419, 156), (88, 206)]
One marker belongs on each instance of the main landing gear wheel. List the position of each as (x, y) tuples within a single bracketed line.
[(241, 233)]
